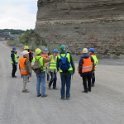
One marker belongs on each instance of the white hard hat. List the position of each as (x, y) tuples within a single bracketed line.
[(85, 50), (25, 52)]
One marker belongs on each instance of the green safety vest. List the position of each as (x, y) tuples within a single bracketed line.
[(41, 61), (68, 57), (52, 63)]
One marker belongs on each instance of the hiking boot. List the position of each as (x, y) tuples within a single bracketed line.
[(44, 95), (62, 98), (68, 97), (39, 95), (85, 91), (89, 90), (14, 76), (25, 91)]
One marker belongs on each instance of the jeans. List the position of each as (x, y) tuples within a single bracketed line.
[(65, 84), (41, 84), (53, 79)]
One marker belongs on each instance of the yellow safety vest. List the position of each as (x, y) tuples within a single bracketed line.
[(15, 57), (52, 63), (95, 60)]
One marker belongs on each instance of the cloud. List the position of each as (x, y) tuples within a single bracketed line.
[(18, 14)]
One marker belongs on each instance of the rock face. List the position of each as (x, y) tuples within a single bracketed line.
[(83, 23)]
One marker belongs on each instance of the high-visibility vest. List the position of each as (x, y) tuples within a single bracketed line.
[(40, 60), (87, 65), (45, 57), (95, 60), (23, 70), (68, 57), (15, 58), (52, 63)]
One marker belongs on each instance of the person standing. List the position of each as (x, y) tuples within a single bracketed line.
[(14, 61), (65, 66), (30, 53), (85, 68), (93, 55), (53, 69), (25, 69), (45, 55), (40, 75)]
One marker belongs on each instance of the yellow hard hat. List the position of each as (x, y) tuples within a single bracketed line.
[(26, 47), (37, 51)]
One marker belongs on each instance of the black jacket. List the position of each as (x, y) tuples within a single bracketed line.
[(13, 57), (81, 62)]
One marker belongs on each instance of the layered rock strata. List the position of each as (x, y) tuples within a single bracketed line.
[(83, 23)]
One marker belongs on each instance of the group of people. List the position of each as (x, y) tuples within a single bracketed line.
[(45, 64)]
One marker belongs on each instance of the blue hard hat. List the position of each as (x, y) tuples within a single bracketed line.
[(55, 51), (14, 48), (92, 50), (46, 49)]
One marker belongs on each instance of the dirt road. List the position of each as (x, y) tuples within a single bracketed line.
[(104, 105)]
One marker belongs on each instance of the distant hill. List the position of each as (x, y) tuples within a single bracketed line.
[(10, 33)]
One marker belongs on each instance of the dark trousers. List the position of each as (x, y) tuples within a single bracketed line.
[(65, 84), (48, 76), (53, 79), (14, 69), (93, 78), (87, 81)]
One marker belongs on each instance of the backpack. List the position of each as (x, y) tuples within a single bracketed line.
[(37, 67), (64, 64)]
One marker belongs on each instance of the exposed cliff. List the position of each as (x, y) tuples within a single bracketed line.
[(83, 23)]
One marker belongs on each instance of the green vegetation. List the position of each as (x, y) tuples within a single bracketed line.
[(32, 39)]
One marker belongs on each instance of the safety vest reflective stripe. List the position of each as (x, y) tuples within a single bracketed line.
[(87, 65), (23, 71), (52, 64), (68, 57), (22, 66)]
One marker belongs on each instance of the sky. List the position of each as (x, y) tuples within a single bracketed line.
[(18, 14)]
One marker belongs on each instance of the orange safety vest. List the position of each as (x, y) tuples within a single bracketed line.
[(44, 56), (22, 66), (87, 65)]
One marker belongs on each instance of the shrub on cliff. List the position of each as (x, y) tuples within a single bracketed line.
[(31, 38)]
